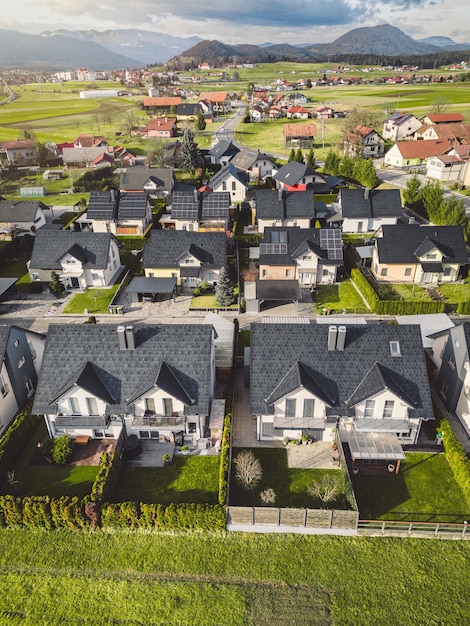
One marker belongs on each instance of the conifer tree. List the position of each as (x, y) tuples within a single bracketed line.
[(224, 289)]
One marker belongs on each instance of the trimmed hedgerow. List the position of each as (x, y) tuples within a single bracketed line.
[(224, 467), (135, 515), (457, 458), (16, 437)]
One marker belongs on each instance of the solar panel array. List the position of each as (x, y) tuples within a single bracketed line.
[(133, 205), (272, 248), (101, 205), (330, 240), (184, 206), (215, 205)]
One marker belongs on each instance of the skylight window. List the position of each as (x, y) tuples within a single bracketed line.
[(395, 348)]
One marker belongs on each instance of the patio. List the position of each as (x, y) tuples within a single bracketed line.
[(89, 454)]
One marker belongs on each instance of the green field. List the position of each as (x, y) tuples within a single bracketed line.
[(142, 578)]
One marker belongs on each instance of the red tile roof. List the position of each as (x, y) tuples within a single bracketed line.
[(162, 102)]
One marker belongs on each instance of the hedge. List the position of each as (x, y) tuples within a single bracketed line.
[(224, 467), (393, 307), (457, 458), (43, 512), (463, 308), (16, 437), (135, 515), (107, 477)]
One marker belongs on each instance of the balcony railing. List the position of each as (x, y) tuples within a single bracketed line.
[(159, 421), (78, 421)]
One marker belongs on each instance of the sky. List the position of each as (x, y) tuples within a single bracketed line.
[(243, 21)]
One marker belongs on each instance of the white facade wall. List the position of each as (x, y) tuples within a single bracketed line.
[(8, 405)]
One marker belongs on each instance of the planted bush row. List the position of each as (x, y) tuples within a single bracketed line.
[(224, 467), (457, 458), (393, 307), (135, 515), (107, 477)]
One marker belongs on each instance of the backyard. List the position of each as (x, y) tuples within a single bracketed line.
[(289, 484), (424, 490), (342, 296), (401, 291), (91, 301), (193, 479)]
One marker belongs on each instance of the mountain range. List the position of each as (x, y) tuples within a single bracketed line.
[(130, 48)]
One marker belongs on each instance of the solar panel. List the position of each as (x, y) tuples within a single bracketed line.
[(215, 212), (273, 248), (330, 240)]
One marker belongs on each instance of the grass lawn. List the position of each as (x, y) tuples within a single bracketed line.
[(289, 484), (400, 291), (94, 300), (424, 491), (338, 297), (50, 480), (456, 292), (208, 302), (187, 479)]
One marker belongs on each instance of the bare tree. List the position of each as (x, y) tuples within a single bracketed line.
[(157, 153), (247, 469), (326, 489)]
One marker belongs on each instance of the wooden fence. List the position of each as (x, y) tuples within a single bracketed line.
[(273, 519)]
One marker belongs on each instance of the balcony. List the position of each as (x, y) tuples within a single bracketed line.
[(82, 421), (296, 423), (159, 421)]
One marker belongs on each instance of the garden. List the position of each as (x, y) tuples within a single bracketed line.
[(340, 297), (91, 301)]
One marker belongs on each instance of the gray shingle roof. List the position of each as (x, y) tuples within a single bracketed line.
[(24, 211), (300, 241), (340, 374), (223, 148), (272, 204), (178, 356), (50, 246), (247, 157), (293, 172), (135, 178), (224, 174), (165, 247), (401, 243), (356, 203)]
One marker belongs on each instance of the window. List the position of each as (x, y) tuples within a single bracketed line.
[(325, 272), (451, 361), (288, 273), (92, 406), (369, 408), (29, 387), (98, 433), (308, 407), (74, 406), (21, 362), (395, 348), (407, 271), (150, 406), (167, 406), (384, 271), (444, 389), (267, 429), (234, 186), (290, 407), (191, 428), (4, 389), (447, 271), (264, 273), (388, 408), (224, 186), (431, 255)]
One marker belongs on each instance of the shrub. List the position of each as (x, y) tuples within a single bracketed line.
[(224, 459), (62, 450), (457, 458), (16, 437)]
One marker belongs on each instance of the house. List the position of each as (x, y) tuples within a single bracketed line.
[(324, 112), (19, 152), (411, 154), (81, 259), (215, 211), (256, 164), (161, 127), (365, 142), (452, 133), (368, 383), (121, 214), (185, 208), (90, 141), (449, 167), (219, 101), (222, 151), (300, 134), (158, 182), (230, 179), (162, 105), (84, 156), (191, 257), (400, 127), (309, 255), (364, 210), (451, 357), (103, 160), (188, 111), (442, 118), (19, 218), (108, 381), (276, 207), (409, 253), (297, 112), (21, 352), (294, 176)]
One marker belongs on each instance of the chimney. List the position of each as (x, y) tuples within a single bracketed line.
[(341, 338), (130, 337), (279, 194), (121, 333), (195, 195), (332, 333), (366, 193)]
